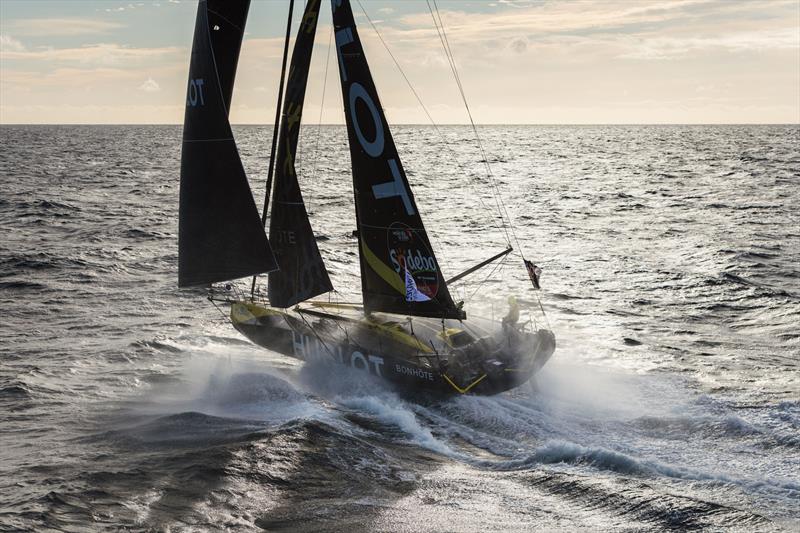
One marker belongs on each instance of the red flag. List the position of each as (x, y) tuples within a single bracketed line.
[(533, 272)]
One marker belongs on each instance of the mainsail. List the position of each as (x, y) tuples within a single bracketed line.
[(302, 273), (220, 234), (393, 243)]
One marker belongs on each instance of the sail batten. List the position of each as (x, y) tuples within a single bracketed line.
[(302, 273), (220, 236), (399, 271)]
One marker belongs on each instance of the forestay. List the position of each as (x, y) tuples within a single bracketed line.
[(220, 234), (399, 271), (302, 273)]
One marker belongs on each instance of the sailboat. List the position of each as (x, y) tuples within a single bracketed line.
[(407, 329)]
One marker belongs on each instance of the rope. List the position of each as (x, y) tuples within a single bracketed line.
[(498, 265), (321, 107), (506, 222), (430, 119), (439, 25), (501, 205), (224, 316)]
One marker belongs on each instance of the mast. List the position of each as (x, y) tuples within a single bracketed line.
[(275, 128), (302, 274), (219, 233), (399, 271)]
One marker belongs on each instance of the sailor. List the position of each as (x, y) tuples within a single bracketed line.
[(510, 320)]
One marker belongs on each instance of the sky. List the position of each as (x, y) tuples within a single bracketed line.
[(520, 61)]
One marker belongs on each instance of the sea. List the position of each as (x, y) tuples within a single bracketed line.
[(670, 261)]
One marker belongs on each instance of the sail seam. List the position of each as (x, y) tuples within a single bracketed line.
[(221, 139), (217, 13), (216, 70), (388, 227)]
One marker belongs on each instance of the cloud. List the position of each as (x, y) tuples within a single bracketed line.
[(150, 86), (48, 27), (674, 47), (516, 3), (68, 77), (129, 7), (552, 61), (552, 17), (106, 54), (9, 44), (607, 19), (65, 113), (610, 31)]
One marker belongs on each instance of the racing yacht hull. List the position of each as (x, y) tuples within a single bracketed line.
[(447, 357)]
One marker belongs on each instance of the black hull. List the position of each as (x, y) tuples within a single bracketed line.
[(388, 352)]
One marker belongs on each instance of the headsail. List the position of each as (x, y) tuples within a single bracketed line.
[(392, 239), (220, 233), (302, 273)]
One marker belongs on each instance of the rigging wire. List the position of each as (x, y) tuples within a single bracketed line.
[(275, 130), (430, 118), (502, 210), (501, 205), (489, 275), (439, 25), (321, 107)]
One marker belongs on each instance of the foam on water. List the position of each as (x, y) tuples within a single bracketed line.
[(670, 278)]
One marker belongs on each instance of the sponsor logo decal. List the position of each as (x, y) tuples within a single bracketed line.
[(413, 262), (311, 349), (415, 372), (413, 294)]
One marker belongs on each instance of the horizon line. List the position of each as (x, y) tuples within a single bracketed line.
[(421, 124)]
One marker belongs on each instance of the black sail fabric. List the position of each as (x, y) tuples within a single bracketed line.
[(302, 273), (399, 271), (220, 236)]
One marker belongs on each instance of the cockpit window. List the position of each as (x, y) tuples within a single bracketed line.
[(462, 338)]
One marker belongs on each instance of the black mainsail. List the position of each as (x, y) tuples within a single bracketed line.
[(220, 234), (302, 273), (399, 271)]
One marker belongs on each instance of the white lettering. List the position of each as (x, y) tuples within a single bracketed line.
[(393, 258), (196, 93), (415, 372), (358, 356), (311, 348), (394, 187), (377, 363), (414, 261), (343, 37), (375, 147)]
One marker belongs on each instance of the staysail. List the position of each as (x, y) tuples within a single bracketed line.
[(302, 273), (399, 271), (220, 235)]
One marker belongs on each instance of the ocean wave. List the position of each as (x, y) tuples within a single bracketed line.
[(555, 452)]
